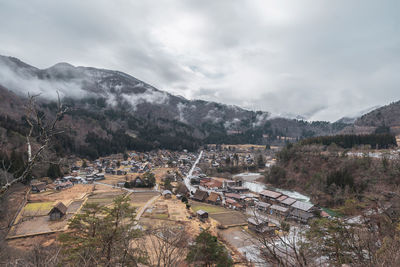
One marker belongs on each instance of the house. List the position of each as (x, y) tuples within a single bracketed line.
[(200, 195), (64, 185), (300, 216), (257, 225), (238, 189), (202, 215), (167, 194), (228, 183), (38, 187), (301, 211), (57, 212), (236, 197), (278, 210), (281, 198), (214, 198), (233, 204), (269, 196), (287, 202), (99, 176), (263, 206)]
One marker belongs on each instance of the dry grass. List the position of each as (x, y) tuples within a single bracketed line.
[(37, 209), (208, 208)]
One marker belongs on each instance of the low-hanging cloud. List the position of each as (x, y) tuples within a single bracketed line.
[(23, 84)]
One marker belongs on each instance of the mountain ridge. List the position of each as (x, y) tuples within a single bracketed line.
[(114, 102)]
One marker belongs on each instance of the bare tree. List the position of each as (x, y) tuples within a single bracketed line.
[(40, 131), (289, 248), (166, 245)]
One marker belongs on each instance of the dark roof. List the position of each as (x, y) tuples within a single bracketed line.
[(202, 212), (60, 207), (200, 195), (39, 186)]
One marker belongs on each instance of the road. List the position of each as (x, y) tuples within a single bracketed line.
[(187, 178)]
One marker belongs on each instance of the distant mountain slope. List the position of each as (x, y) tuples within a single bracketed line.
[(386, 118), (106, 105)]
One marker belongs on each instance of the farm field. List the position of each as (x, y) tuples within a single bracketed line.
[(104, 198), (139, 199), (36, 209), (37, 225), (230, 218), (78, 191), (206, 207)]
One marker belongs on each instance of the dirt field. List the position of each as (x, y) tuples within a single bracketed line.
[(37, 225), (114, 179), (139, 199), (230, 218), (78, 191), (104, 198)]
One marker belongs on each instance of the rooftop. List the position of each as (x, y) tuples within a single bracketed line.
[(302, 205), (270, 194)]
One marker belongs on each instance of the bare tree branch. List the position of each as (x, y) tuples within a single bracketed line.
[(45, 132)]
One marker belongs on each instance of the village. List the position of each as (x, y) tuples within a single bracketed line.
[(169, 187)]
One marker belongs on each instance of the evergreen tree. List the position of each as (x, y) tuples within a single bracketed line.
[(208, 251), (101, 236), (260, 161), (54, 171)]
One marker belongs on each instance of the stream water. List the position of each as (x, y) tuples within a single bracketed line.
[(250, 183)]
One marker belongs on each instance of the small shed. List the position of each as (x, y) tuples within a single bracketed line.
[(167, 194), (202, 215), (58, 211)]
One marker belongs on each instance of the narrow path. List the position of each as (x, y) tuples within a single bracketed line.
[(142, 209)]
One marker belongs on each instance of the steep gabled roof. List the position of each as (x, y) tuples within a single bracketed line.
[(60, 207), (213, 197), (200, 195)]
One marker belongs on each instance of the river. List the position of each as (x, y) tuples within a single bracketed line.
[(257, 187)]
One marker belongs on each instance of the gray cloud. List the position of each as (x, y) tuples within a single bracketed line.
[(318, 59)]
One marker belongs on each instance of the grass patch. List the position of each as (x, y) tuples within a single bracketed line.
[(332, 212), (208, 208), (161, 216), (37, 209)]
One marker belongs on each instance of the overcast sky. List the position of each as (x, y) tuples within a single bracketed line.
[(319, 59)]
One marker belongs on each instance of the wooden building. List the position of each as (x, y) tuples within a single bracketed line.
[(58, 211)]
